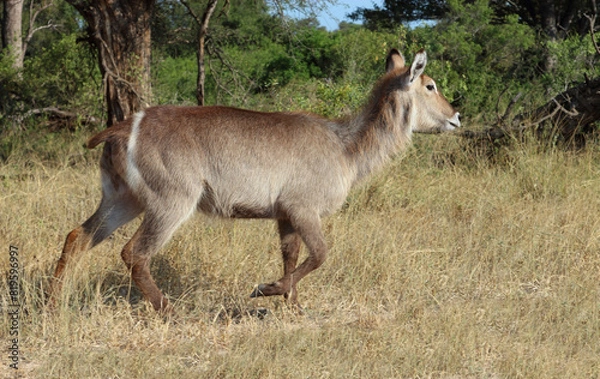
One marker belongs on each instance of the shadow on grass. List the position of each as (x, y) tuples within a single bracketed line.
[(118, 286)]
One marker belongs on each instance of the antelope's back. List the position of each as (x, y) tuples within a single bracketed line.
[(240, 159)]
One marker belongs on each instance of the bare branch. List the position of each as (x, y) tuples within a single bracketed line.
[(509, 108), (279, 8), (191, 11), (235, 75), (225, 8), (61, 114), (491, 134), (109, 72), (33, 15), (560, 107), (49, 25), (569, 114), (210, 8), (592, 20), (546, 117)]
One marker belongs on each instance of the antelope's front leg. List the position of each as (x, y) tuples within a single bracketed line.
[(290, 248), (305, 225)]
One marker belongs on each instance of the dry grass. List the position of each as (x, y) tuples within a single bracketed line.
[(471, 270)]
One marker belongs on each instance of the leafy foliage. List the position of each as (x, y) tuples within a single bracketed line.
[(477, 59), (397, 12), (480, 58), (555, 19), (575, 58), (64, 74)]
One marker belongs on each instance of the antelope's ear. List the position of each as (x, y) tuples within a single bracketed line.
[(418, 66), (394, 61)]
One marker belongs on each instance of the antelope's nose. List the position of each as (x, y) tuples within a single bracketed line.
[(455, 120)]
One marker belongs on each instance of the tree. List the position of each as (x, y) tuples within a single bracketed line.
[(398, 12), (119, 30), (572, 115), (201, 39), (556, 18), (218, 33), (12, 31), (203, 23)]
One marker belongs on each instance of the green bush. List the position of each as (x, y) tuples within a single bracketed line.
[(174, 79), (322, 97), (257, 60), (476, 59), (360, 53), (9, 88), (575, 57), (64, 75)]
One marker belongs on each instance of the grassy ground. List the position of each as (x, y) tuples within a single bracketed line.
[(443, 266)]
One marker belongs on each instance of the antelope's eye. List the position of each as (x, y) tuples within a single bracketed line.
[(430, 87)]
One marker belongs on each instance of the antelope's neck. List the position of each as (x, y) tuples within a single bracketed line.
[(383, 128)]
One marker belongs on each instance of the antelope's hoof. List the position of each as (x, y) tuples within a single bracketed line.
[(272, 289), (297, 309), (259, 290)]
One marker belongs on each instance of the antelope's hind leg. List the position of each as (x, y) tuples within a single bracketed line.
[(290, 248), (112, 212), (156, 229)]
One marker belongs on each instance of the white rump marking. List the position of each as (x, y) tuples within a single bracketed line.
[(133, 174)]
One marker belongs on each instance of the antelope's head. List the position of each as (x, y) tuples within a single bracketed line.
[(429, 110)]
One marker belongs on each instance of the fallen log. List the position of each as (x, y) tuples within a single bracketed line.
[(56, 119), (570, 114)]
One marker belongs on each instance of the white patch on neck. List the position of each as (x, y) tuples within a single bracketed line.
[(134, 178)]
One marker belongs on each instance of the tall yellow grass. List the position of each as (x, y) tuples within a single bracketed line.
[(468, 269)]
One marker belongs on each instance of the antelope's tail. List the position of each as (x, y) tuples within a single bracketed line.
[(119, 130)]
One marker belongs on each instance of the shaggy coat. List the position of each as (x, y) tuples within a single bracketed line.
[(296, 168)]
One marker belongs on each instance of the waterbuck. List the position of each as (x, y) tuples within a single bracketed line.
[(169, 161)]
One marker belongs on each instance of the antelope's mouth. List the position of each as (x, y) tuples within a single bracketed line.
[(454, 122)]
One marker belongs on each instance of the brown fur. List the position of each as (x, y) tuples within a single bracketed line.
[(167, 162)]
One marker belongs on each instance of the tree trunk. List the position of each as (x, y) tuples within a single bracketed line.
[(549, 26), (119, 30), (12, 31), (202, 32), (210, 8)]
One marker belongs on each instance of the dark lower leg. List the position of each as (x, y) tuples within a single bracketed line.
[(290, 244), (309, 229), (140, 274), (155, 230), (77, 241), (139, 265), (108, 217), (290, 248)]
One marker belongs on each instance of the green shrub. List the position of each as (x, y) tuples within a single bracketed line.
[(64, 75), (575, 57), (174, 79), (476, 59)]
